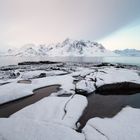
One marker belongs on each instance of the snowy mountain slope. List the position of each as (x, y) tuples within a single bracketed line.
[(128, 52), (28, 50), (66, 48), (79, 48)]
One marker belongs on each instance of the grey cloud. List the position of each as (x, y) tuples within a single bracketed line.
[(53, 20)]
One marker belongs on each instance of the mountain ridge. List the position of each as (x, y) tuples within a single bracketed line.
[(128, 52), (68, 47)]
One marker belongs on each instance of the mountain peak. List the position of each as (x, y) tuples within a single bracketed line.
[(68, 47)]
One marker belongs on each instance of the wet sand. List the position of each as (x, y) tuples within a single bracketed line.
[(9, 108), (107, 106)]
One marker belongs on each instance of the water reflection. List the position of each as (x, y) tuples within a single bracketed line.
[(11, 60)]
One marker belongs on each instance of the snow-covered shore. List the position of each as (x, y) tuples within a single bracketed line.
[(56, 117)]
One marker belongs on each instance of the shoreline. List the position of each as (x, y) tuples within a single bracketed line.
[(11, 107)]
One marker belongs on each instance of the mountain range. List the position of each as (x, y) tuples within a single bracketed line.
[(128, 52), (69, 47)]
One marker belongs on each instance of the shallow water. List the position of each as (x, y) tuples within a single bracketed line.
[(107, 106), (10, 108)]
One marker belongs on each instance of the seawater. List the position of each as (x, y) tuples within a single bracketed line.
[(12, 60)]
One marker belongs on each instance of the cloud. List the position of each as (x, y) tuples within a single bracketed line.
[(128, 37), (40, 21)]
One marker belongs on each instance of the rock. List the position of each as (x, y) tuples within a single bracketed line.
[(42, 75), (123, 88), (36, 62), (24, 81), (85, 87)]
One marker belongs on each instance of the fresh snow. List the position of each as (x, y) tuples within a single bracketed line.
[(16, 90), (36, 73), (66, 48), (87, 79), (27, 129), (128, 52), (85, 86), (61, 110), (103, 76), (124, 126), (116, 75), (56, 117)]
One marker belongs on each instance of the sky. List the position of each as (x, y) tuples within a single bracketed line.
[(114, 23)]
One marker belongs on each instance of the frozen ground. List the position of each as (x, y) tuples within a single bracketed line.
[(56, 117), (124, 126), (61, 110), (27, 129)]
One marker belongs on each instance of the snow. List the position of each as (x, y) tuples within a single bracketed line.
[(82, 72), (27, 129), (67, 48), (124, 126), (61, 110), (52, 118), (85, 86), (115, 75), (36, 73), (87, 82), (16, 90), (55, 117), (78, 77), (128, 52)]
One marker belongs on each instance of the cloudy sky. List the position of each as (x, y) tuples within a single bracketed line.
[(114, 23)]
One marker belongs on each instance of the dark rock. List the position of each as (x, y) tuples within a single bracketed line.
[(13, 75), (82, 92), (123, 88), (42, 75), (105, 64), (36, 62)]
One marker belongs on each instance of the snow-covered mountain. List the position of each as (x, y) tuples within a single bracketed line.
[(128, 52), (28, 50), (79, 48), (66, 48)]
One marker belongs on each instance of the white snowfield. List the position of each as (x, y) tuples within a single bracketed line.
[(55, 118), (68, 47), (51, 118), (86, 85), (33, 74), (89, 79), (16, 90), (107, 76), (116, 75), (124, 126), (27, 129), (61, 110)]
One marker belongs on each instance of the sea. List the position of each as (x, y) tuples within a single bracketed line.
[(12, 60)]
